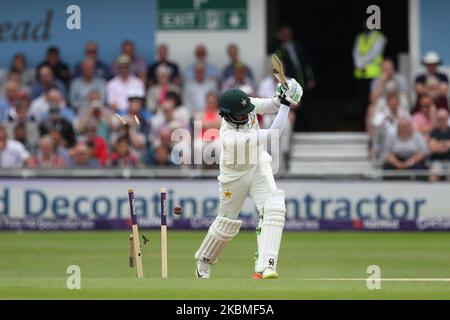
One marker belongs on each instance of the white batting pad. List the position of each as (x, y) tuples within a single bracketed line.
[(219, 234), (271, 231)]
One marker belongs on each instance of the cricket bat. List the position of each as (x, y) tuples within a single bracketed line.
[(278, 71), (135, 233)]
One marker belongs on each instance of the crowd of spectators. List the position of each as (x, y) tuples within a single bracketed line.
[(53, 115), (410, 131)]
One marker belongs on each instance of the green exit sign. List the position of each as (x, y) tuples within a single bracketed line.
[(202, 14)]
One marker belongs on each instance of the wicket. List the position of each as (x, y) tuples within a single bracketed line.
[(163, 233), (135, 234)]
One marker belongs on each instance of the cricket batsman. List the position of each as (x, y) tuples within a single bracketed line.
[(243, 174)]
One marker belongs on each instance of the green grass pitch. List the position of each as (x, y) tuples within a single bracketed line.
[(33, 266)]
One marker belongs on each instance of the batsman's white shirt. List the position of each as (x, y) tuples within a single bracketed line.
[(245, 167)]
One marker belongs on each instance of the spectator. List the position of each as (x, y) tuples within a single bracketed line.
[(389, 81), (137, 113), (211, 71), (60, 69), (81, 86), (53, 98), (424, 119), (20, 121), (160, 154), (129, 129), (118, 88), (12, 153), (440, 147), (157, 94), (166, 118), (46, 157), (298, 64), (97, 145), (138, 66), (56, 121), (385, 121), (46, 80), (81, 157), (101, 68), (100, 115), (123, 156), (18, 67), (432, 62), (233, 54), (240, 80), (405, 148), (208, 139), (195, 91), (8, 100), (163, 54)]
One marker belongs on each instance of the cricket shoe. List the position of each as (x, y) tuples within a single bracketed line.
[(268, 273), (203, 270)]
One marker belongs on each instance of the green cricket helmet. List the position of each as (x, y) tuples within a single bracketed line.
[(235, 103)]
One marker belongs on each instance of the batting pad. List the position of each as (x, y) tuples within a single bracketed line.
[(271, 231), (219, 234)]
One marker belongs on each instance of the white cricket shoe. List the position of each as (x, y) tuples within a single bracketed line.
[(203, 269), (269, 273)]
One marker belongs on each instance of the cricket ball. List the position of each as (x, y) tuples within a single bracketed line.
[(177, 210)]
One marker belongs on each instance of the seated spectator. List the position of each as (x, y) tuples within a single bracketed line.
[(98, 113), (181, 113), (195, 90), (18, 67), (233, 54), (8, 100), (138, 66), (60, 69), (46, 157), (80, 87), (45, 81), (432, 62), (128, 127), (406, 149), (389, 81), (101, 68), (12, 153), (240, 80), (137, 113), (56, 121), (211, 71), (118, 87), (59, 143), (157, 94), (440, 147), (53, 98), (207, 143), (166, 118), (385, 121), (81, 158), (96, 144), (424, 119), (160, 154), (163, 56), (123, 156)]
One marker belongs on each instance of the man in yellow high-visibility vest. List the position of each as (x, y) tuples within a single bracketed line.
[(367, 59)]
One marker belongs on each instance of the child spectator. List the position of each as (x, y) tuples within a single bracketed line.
[(123, 156)]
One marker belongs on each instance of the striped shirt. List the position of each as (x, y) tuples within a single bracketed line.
[(405, 148)]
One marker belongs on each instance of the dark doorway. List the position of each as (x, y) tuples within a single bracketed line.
[(328, 30)]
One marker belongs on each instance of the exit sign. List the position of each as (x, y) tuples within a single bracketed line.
[(202, 14)]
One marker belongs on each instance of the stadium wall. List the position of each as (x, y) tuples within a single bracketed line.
[(46, 204), (251, 41), (33, 26)]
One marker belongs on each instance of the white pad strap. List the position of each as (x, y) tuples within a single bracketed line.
[(219, 234), (271, 231)]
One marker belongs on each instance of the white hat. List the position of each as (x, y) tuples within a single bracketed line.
[(431, 57), (136, 94)]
